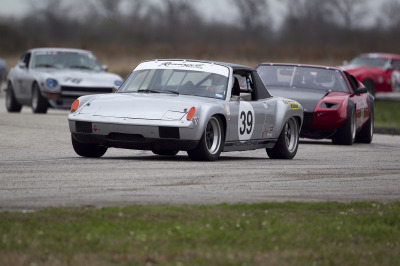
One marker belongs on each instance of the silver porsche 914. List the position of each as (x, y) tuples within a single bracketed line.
[(201, 107), (55, 77)]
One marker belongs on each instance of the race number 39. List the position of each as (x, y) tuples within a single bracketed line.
[(246, 121)]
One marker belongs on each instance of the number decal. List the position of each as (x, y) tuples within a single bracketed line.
[(246, 121)]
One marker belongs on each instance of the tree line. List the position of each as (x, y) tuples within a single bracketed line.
[(308, 27)]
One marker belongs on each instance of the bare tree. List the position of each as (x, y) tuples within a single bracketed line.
[(348, 12), (253, 14), (390, 14)]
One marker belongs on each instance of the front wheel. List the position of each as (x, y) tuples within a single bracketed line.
[(288, 141), (39, 103), (346, 134), (367, 132), (12, 104), (211, 143), (88, 150)]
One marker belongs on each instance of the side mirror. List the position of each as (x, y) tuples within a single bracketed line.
[(104, 68), (21, 65), (361, 90)]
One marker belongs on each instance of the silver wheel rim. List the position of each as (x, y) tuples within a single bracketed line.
[(291, 134), (35, 98), (213, 135), (353, 125)]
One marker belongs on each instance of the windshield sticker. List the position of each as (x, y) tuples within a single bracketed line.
[(218, 95), (186, 65)]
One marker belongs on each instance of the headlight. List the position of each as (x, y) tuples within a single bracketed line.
[(51, 83), (117, 83)]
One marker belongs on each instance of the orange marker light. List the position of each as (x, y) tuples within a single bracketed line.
[(191, 113), (74, 106)]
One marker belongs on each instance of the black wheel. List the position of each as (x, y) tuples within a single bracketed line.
[(211, 143), (39, 103), (288, 141), (367, 132), (165, 152), (12, 104), (346, 134), (88, 150), (369, 83)]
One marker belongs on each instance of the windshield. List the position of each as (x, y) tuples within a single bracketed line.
[(369, 61), (177, 81), (65, 59), (303, 77)]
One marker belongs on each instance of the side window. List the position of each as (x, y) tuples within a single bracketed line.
[(26, 58), (353, 82), (396, 64), (245, 86)]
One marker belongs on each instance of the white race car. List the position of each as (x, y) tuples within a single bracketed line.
[(55, 77), (201, 107)]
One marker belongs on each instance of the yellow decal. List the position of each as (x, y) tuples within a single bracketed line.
[(294, 106)]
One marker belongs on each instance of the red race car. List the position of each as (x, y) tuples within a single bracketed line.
[(336, 105), (377, 71)]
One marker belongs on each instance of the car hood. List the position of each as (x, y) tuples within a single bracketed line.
[(142, 105), (79, 77), (308, 98), (355, 70)]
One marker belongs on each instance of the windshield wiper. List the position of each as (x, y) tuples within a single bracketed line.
[(173, 92), (82, 67), (147, 90), (46, 65)]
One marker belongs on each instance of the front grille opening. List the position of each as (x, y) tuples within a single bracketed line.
[(169, 132), (83, 127), (125, 137)]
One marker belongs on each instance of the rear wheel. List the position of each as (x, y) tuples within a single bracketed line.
[(288, 141), (88, 150), (39, 103), (12, 104), (211, 143), (346, 134)]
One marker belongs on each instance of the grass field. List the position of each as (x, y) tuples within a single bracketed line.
[(387, 116), (289, 233)]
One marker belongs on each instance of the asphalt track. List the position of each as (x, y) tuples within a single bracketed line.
[(38, 169)]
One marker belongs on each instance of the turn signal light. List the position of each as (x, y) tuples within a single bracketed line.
[(191, 113), (74, 106)]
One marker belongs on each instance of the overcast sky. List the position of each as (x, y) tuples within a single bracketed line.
[(220, 10)]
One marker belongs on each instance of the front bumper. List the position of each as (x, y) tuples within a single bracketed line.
[(155, 135)]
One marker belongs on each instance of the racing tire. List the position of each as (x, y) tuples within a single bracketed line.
[(211, 143), (12, 105), (88, 150), (346, 134), (367, 132), (369, 83), (165, 152), (288, 141), (39, 103)]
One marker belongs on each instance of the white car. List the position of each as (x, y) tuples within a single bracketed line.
[(200, 107), (55, 77)]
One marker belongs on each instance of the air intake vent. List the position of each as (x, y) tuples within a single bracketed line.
[(83, 127)]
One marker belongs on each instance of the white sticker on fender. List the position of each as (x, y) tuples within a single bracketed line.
[(246, 121)]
